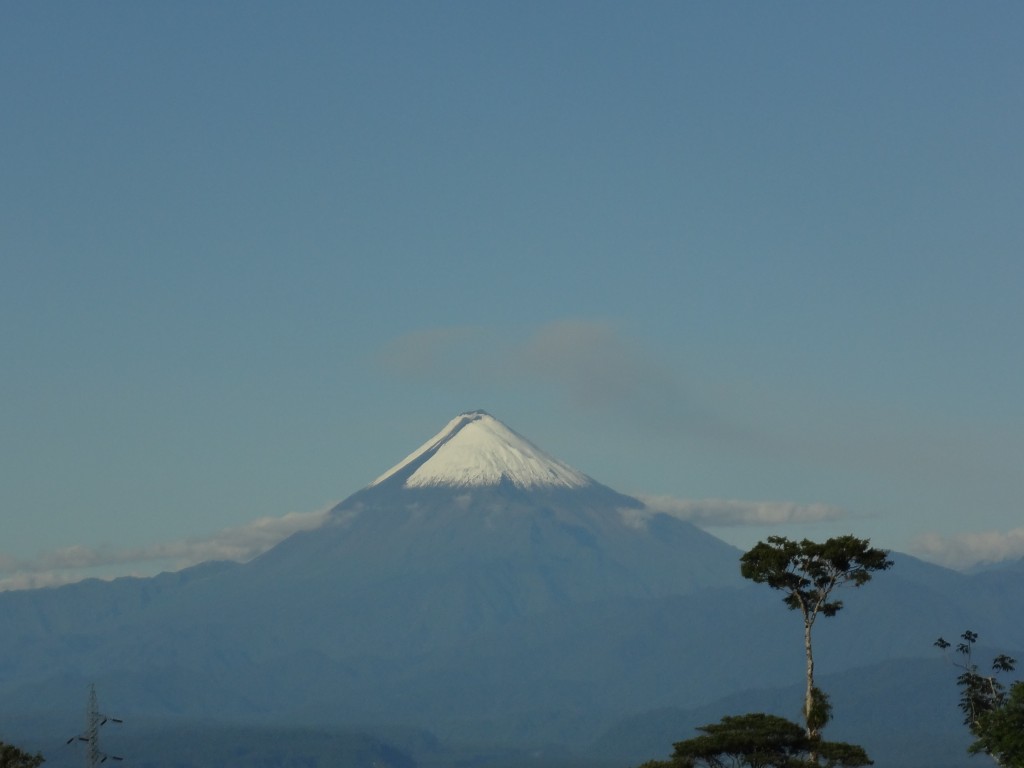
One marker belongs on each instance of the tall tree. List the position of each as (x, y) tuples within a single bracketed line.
[(994, 715), (808, 573), (12, 757)]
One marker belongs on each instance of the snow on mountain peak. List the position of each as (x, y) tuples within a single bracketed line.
[(475, 449)]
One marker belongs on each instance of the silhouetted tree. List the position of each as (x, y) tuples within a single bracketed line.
[(808, 573), (994, 715), (757, 740), (12, 757)]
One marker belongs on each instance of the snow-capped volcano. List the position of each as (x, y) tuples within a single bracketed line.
[(475, 449)]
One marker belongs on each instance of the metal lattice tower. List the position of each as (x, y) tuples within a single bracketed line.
[(93, 720)]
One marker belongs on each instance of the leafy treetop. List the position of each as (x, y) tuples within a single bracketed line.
[(12, 757), (808, 571)]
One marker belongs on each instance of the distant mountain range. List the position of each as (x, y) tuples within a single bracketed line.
[(482, 603)]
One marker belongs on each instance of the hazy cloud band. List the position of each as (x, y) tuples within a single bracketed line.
[(968, 549), (71, 564)]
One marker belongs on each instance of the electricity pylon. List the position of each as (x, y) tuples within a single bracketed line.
[(93, 720)]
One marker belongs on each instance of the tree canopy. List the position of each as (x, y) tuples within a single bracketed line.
[(808, 571), (1001, 730), (758, 740), (13, 757)]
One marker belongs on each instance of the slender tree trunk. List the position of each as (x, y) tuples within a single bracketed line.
[(813, 732), (809, 695)]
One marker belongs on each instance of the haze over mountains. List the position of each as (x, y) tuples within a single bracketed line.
[(483, 598)]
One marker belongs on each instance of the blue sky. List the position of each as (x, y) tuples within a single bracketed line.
[(738, 256)]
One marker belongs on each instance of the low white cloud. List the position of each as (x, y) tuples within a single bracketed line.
[(711, 513), (965, 550), (240, 543)]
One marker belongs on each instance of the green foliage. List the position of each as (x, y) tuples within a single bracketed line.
[(1001, 730), (12, 757), (757, 740), (820, 712), (994, 716), (839, 754), (807, 572)]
